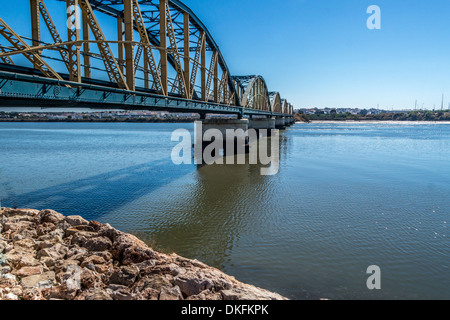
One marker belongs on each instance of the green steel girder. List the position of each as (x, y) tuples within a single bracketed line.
[(31, 90)]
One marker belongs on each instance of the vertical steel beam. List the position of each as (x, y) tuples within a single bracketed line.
[(86, 48), (258, 94), (129, 47), (261, 105), (257, 100), (120, 44), (216, 78), (203, 66), (73, 33), (186, 55), (35, 24), (242, 95), (260, 97), (225, 88), (163, 44), (146, 67)]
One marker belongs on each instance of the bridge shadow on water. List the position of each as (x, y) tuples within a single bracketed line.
[(97, 195)]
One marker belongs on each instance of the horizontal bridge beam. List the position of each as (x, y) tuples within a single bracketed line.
[(30, 90)]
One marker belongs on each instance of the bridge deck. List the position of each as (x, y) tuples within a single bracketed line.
[(22, 90)]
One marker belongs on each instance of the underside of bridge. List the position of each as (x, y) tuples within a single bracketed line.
[(128, 54)]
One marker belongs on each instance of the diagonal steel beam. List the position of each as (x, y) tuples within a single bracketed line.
[(139, 21), (137, 58), (196, 63), (175, 53), (159, 70), (211, 74), (230, 99), (5, 59), (34, 57), (111, 65), (175, 86), (53, 31), (222, 85)]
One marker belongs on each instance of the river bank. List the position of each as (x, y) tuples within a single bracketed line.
[(45, 255), (110, 120), (375, 121)]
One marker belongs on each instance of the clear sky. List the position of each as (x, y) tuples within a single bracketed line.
[(320, 53)]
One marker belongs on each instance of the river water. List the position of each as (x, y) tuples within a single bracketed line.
[(346, 196)]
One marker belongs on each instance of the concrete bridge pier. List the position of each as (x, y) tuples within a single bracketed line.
[(262, 123), (280, 123), (205, 137), (287, 122)]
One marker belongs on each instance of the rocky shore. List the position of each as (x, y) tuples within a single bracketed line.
[(45, 255)]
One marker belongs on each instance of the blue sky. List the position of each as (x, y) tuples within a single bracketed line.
[(320, 53)]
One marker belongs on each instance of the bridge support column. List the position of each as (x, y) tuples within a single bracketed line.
[(288, 121), (129, 47), (262, 123), (280, 123), (208, 137)]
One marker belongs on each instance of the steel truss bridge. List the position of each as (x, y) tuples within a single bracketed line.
[(125, 54)]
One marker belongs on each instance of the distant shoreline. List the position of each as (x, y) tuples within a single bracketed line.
[(104, 120), (376, 121), (194, 119)]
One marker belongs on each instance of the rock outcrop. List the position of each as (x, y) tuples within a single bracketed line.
[(45, 255)]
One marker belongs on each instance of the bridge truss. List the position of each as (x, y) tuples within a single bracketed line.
[(125, 54)]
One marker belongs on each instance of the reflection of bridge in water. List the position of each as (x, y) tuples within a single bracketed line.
[(162, 57)]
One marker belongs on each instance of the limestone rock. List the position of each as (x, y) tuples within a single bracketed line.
[(44, 255), (250, 293), (28, 271), (153, 281), (36, 280), (76, 221), (125, 276), (51, 216), (170, 293), (193, 286), (99, 294), (119, 292)]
